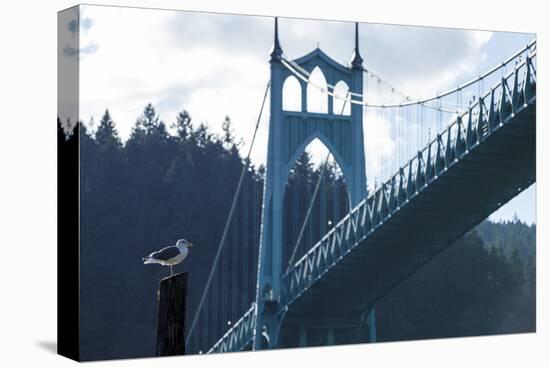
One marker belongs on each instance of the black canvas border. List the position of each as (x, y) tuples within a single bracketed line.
[(68, 189)]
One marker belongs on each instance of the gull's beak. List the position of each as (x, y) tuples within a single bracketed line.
[(189, 244)]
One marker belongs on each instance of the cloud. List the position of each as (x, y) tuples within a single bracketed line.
[(82, 51), (240, 34), (423, 60), (86, 23), (77, 26), (73, 25), (69, 51), (89, 49)]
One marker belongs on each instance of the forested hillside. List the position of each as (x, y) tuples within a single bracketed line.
[(156, 187)]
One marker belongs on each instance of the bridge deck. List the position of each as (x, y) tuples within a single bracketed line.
[(483, 179)]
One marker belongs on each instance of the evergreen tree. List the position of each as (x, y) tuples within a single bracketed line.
[(183, 125), (106, 134), (149, 120), (228, 136)]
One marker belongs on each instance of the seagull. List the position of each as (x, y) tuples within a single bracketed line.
[(170, 255)]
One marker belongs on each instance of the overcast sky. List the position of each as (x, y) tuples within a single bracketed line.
[(215, 65)]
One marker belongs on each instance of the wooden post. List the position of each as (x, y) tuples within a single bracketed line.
[(171, 315)]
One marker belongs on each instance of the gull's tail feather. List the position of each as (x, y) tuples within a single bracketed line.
[(149, 260)]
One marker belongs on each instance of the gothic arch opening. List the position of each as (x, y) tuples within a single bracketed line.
[(292, 94), (317, 96), (330, 205), (341, 100)]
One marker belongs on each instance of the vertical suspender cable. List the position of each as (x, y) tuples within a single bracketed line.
[(227, 223), (323, 208), (255, 238), (224, 288), (295, 187), (215, 310), (309, 241), (246, 232), (235, 246)]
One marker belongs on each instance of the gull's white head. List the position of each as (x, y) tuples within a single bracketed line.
[(183, 243)]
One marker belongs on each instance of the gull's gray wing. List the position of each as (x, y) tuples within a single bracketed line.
[(166, 253)]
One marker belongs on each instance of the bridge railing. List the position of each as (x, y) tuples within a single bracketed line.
[(239, 336), (491, 111)]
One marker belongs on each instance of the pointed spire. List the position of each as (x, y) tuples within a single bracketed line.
[(356, 60), (276, 51)]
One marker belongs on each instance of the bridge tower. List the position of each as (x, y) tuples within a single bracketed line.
[(289, 134)]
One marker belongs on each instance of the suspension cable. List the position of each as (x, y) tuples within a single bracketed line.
[(290, 65), (480, 77), (297, 70), (228, 221)]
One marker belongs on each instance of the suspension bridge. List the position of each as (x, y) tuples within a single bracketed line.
[(306, 266)]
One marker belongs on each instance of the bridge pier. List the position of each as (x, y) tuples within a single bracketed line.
[(302, 336), (331, 340), (371, 323), (366, 330), (267, 332)]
